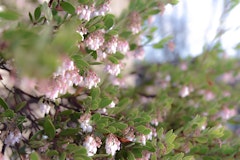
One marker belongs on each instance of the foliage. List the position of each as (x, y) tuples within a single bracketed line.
[(55, 106)]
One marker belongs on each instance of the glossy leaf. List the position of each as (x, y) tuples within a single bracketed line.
[(49, 128), (68, 7), (3, 104)]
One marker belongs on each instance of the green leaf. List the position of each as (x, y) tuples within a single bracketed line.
[(21, 105), (105, 102), (189, 158), (69, 132), (120, 125), (3, 104), (37, 13), (113, 59), (142, 129), (34, 156), (130, 155), (49, 128), (69, 8), (83, 1), (118, 55), (201, 139), (79, 62), (162, 42), (149, 146), (51, 153), (47, 11), (9, 15), (30, 17), (94, 105), (95, 92), (109, 21), (8, 113), (178, 156), (170, 136), (173, 2), (63, 156)]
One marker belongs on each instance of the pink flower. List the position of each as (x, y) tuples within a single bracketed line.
[(12, 138), (95, 40), (112, 144), (91, 80), (123, 46), (134, 22), (84, 12), (91, 144), (85, 123), (113, 69)]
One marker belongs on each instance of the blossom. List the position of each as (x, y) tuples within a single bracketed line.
[(113, 69), (91, 144), (129, 133), (95, 40), (184, 92), (134, 22), (123, 46), (112, 144), (101, 55), (111, 45), (85, 123), (111, 105), (102, 9), (44, 108), (84, 12), (91, 80), (12, 138)]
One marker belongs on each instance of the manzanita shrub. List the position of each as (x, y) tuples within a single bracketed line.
[(65, 91)]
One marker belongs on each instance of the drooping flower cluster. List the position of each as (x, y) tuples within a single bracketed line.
[(91, 144), (86, 12), (134, 22), (12, 138), (94, 40), (85, 123), (112, 144), (66, 76), (113, 69)]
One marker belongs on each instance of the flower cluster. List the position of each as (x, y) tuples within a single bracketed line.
[(112, 144), (86, 12), (91, 144), (12, 138), (85, 123), (66, 76), (134, 22)]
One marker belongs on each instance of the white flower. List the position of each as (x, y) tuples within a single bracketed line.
[(112, 144), (12, 138), (111, 105), (184, 92), (44, 108), (91, 144), (113, 69), (85, 123)]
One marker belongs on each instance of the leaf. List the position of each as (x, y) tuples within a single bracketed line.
[(47, 11), (63, 156), (34, 156), (20, 106), (30, 17), (69, 132), (83, 1), (95, 92), (120, 125), (8, 113), (79, 62), (162, 42), (142, 129), (9, 15), (170, 136), (3, 104), (130, 155), (109, 21), (118, 55), (37, 13), (113, 59), (201, 139), (178, 156), (69, 8), (149, 146), (105, 102), (49, 128), (51, 153)]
